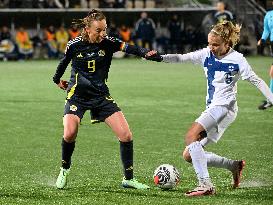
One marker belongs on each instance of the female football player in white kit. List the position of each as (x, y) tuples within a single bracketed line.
[(223, 67)]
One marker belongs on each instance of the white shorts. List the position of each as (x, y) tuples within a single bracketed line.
[(215, 120)]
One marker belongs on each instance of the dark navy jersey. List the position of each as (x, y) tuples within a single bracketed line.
[(90, 65)]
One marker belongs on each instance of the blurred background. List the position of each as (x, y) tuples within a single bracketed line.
[(40, 29)]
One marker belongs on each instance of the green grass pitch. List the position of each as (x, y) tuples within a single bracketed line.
[(160, 101)]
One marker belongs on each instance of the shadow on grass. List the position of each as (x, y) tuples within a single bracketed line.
[(153, 192), (260, 194), (263, 193), (24, 196)]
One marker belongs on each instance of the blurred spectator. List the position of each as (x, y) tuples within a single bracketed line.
[(113, 31), (75, 3), (222, 14), (189, 39), (15, 3), (25, 47), (62, 38), (175, 29), (119, 4), (134, 3), (162, 38), (200, 38), (5, 33), (61, 4), (27, 4), (7, 46), (125, 33), (207, 22), (4, 3), (88, 4), (106, 3), (37, 45), (73, 32), (39, 4), (51, 4), (50, 42), (145, 30), (267, 31), (247, 44)]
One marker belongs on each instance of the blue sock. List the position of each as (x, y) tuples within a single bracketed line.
[(271, 85)]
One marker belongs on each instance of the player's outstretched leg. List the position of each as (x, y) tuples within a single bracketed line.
[(237, 172), (235, 166)]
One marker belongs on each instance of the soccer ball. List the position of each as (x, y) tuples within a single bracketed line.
[(166, 176)]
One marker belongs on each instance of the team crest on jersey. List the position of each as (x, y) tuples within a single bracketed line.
[(73, 108), (101, 53)]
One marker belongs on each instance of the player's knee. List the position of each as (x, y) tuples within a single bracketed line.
[(70, 135), (125, 136), (190, 137), (186, 155)]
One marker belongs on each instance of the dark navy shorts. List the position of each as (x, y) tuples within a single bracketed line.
[(100, 108)]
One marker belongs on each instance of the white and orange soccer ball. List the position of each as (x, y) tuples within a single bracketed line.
[(166, 176)]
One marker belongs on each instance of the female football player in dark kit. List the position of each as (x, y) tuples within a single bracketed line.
[(91, 55)]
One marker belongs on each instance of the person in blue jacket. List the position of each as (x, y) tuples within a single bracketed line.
[(268, 32)]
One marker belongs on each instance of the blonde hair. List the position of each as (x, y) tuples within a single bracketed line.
[(228, 31), (93, 15)]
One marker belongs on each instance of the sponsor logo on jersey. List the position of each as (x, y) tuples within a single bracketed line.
[(101, 53), (90, 54), (73, 108)]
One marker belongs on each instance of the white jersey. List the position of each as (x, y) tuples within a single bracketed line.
[(222, 74)]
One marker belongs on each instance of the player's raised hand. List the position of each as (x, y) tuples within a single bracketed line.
[(259, 42), (151, 53), (63, 84), (153, 56)]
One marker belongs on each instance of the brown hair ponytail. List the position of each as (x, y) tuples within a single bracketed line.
[(228, 31), (93, 15)]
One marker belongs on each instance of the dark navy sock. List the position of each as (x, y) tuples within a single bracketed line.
[(67, 151), (126, 154)]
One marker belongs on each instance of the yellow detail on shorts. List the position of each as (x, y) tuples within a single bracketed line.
[(95, 121), (109, 98), (72, 90), (91, 66), (73, 108)]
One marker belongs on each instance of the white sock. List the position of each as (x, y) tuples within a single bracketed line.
[(199, 162), (214, 160)]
